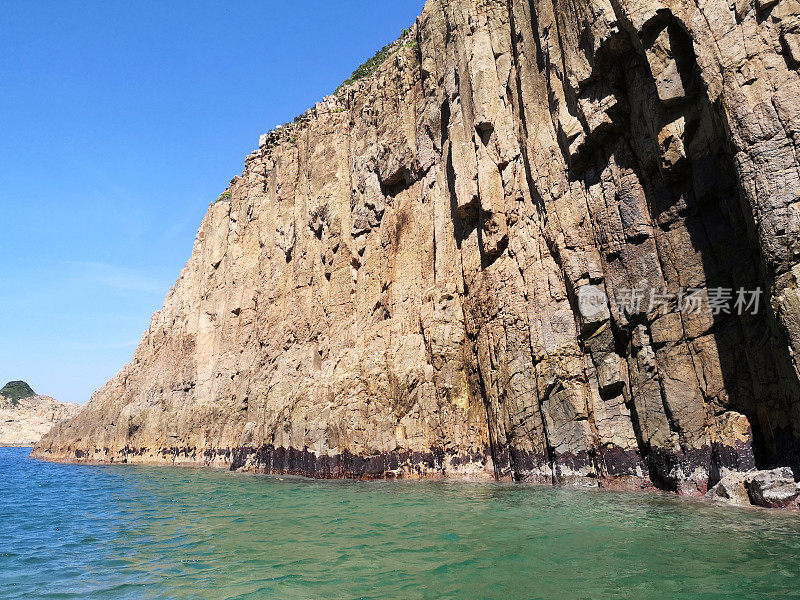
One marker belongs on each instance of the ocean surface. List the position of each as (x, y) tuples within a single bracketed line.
[(119, 532)]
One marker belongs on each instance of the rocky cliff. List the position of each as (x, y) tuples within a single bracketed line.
[(530, 247), (23, 421)]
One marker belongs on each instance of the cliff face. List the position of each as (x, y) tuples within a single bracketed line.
[(24, 421), (435, 273)]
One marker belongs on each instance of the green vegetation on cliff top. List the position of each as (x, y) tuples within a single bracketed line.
[(369, 67), (16, 391), (372, 65)]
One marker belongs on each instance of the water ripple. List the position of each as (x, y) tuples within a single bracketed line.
[(148, 533)]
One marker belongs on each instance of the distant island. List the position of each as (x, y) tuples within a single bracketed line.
[(25, 416)]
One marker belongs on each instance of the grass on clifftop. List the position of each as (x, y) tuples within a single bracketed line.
[(369, 67), (374, 63), (16, 391)]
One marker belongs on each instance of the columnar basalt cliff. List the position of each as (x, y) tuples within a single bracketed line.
[(394, 286)]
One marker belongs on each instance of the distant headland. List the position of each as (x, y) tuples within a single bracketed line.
[(25, 416)]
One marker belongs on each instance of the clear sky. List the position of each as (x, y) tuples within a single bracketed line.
[(119, 123)]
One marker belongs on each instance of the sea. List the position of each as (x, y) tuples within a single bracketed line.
[(136, 532)]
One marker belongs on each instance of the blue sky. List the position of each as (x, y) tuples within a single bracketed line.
[(119, 123)]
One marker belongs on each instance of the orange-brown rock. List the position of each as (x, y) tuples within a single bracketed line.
[(406, 282)]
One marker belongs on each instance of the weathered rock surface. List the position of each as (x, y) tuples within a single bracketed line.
[(773, 489), (732, 489), (769, 489), (395, 286), (23, 422)]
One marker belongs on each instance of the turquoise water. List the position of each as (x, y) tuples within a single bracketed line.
[(146, 532)]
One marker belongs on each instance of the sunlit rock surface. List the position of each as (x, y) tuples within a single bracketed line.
[(396, 285), (24, 421)]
